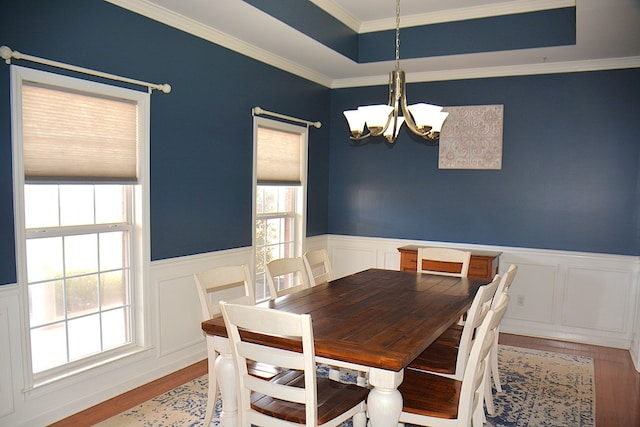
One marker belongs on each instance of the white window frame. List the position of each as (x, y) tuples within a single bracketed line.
[(300, 219), (139, 213)]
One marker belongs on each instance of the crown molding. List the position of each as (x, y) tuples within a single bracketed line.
[(504, 71), (160, 14), (463, 14), (175, 20), (340, 13)]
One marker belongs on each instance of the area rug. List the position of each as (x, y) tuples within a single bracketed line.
[(539, 389)]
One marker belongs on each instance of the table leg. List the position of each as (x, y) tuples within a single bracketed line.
[(384, 403), (226, 376)]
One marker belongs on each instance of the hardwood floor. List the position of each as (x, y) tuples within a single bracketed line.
[(132, 398), (616, 380)]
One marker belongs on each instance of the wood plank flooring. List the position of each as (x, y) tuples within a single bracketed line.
[(616, 380)]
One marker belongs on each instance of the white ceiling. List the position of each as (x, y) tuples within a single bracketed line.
[(608, 37)]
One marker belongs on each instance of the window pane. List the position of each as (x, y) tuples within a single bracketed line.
[(113, 288), (46, 302), (81, 254), (110, 204), (76, 205), (274, 231), (262, 291), (44, 259), (115, 328), (112, 250), (41, 206), (82, 295), (270, 199), (48, 347), (84, 336)]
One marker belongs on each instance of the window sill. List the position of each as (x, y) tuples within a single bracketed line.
[(48, 383)]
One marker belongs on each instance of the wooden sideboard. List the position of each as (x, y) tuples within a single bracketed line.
[(483, 265)]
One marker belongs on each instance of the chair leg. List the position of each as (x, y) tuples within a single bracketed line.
[(488, 395), (478, 417), (334, 374), (212, 392), (359, 420), (494, 367)]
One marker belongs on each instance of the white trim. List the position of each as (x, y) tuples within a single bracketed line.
[(153, 11), (434, 17), (301, 202), (489, 72), (168, 17), (466, 13), (139, 219)]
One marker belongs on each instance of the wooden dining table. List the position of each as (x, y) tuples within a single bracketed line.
[(375, 321)]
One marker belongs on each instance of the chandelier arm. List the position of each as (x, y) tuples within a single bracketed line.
[(408, 119), (360, 137)]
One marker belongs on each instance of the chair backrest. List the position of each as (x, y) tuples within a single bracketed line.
[(289, 272), (471, 393), (444, 261), (220, 278), (505, 283), (271, 322), (318, 266), (475, 316)]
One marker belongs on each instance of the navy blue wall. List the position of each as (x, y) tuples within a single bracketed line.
[(570, 167), (569, 178), (201, 133)]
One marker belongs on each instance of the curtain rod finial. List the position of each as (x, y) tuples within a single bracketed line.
[(6, 53)]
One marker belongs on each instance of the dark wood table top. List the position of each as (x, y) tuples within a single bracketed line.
[(377, 318)]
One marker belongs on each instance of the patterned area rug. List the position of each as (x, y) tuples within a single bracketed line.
[(540, 389)]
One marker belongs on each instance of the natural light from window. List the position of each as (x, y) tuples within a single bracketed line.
[(78, 271)]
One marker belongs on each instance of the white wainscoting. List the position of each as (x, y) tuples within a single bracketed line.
[(581, 297), (587, 298), (174, 341), (8, 344)]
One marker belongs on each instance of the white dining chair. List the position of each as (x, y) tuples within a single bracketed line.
[(437, 401), (298, 396), (318, 266), (212, 280), (451, 361), (493, 372), (285, 276), (443, 261)]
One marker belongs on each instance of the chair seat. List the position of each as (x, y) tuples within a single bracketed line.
[(430, 395), (334, 399), (440, 358)]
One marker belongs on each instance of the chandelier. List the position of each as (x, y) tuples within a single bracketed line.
[(425, 120)]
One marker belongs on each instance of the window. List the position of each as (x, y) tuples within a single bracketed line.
[(80, 155), (280, 195)]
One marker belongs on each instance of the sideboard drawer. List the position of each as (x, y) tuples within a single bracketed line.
[(480, 267)]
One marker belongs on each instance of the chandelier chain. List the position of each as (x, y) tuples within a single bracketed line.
[(397, 35)]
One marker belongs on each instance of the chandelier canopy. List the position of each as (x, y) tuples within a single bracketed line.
[(425, 120)]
